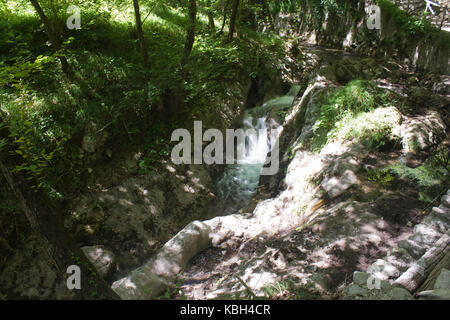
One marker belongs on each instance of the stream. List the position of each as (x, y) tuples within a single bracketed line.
[(240, 181)]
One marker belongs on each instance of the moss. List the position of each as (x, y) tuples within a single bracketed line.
[(407, 23), (349, 113)]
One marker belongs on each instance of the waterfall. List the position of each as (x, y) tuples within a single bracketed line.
[(240, 181)]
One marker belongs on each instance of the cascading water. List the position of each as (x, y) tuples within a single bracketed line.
[(240, 181)]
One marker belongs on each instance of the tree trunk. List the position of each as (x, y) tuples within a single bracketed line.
[(211, 24), (60, 248), (174, 97), (51, 34), (140, 32), (225, 9), (190, 35), (233, 17), (419, 271)]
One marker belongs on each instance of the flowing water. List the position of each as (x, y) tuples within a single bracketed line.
[(240, 181)]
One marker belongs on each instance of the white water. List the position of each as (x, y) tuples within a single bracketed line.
[(240, 181)]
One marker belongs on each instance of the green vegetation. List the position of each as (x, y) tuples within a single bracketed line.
[(109, 91), (350, 113), (290, 290), (407, 22), (84, 112), (413, 26), (430, 178), (381, 177)]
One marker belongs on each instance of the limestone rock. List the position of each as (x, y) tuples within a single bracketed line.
[(137, 215), (93, 138)]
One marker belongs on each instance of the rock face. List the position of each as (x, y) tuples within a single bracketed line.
[(102, 259), (315, 193), (151, 279), (27, 275), (139, 214)]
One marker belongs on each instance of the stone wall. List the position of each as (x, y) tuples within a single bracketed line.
[(348, 30)]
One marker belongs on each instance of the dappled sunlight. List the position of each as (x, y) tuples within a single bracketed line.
[(343, 158)]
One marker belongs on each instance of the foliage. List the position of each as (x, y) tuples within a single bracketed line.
[(380, 177), (289, 290), (347, 113), (406, 22), (48, 114), (430, 177)]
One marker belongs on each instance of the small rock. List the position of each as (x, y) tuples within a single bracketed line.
[(360, 278), (446, 200), (102, 259), (88, 144), (437, 294), (354, 290), (398, 293)]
